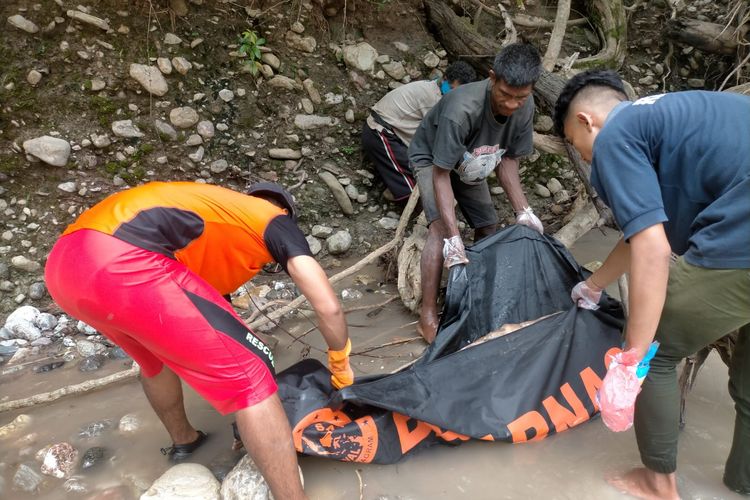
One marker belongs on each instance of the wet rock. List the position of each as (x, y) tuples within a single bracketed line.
[(26, 479), (92, 457), (37, 290), (266, 71), (351, 191), (164, 65), (85, 329), (395, 70), (194, 140), (89, 19), (181, 65), (25, 264), (226, 95), (21, 354), (554, 185), (41, 341), (271, 60), (646, 80), (117, 353), (126, 128), (48, 367), (184, 481), (284, 82), (349, 115), (100, 141), (338, 192), (431, 60), (34, 77), (309, 122), (150, 78), (75, 485), (321, 231), (172, 39), (401, 46), (17, 425), (87, 348), (91, 363), (129, 423), (20, 323), (339, 242), (307, 105), (315, 245), (312, 91), (165, 130), (388, 223), (302, 43), (543, 124), (51, 150), (284, 154), (94, 429), (360, 56), (561, 196), (20, 22), (183, 117), (197, 155), (59, 460), (542, 191), (350, 294), (696, 83), (219, 166), (205, 129), (245, 482), (68, 187)]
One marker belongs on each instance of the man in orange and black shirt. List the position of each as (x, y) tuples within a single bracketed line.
[(148, 268)]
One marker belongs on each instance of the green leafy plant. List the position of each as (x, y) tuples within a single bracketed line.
[(250, 44), (348, 150)]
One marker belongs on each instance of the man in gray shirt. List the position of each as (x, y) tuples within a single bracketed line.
[(473, 130)]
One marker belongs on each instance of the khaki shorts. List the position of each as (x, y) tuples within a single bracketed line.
[(474, 201)]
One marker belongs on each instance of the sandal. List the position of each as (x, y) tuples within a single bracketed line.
[(178, 452)]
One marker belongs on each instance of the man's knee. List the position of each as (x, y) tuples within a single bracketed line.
[(483, 232)]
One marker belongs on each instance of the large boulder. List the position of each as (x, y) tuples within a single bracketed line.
[(245, 482), (184, 482), (51, 150), (360, 56)]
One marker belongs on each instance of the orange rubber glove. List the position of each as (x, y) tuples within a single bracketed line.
[(338, 362)]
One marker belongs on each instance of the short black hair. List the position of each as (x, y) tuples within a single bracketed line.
[(518, 64), (461, 71), (598, 80)]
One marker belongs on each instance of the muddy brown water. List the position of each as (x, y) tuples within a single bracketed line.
[(569, 465)]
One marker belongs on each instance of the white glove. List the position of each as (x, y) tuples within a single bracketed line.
[(586, 296), (454, 252), (527, 217)]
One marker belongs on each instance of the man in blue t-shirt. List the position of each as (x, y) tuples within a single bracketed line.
[(675, 170)]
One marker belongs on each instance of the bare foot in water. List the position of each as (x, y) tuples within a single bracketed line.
[(647, 484), (427, 328)]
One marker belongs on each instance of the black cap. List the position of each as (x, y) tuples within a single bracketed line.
[(273, 191)]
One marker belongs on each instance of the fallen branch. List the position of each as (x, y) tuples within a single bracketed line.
[(387, 344), (558, 33), (582, 222), (705, 36), (371, 257), (82, 388), (370, 306), (549, 144), (528, 21)]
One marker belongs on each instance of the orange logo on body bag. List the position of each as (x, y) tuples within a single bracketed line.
[(332, 434)]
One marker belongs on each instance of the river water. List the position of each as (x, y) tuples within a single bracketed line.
[(569, 465)]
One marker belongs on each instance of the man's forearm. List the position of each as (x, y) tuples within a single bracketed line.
[(614, 266), (444, 199), (649, 273), (510, 181)]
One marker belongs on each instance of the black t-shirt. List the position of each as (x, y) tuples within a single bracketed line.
[(284, 240)]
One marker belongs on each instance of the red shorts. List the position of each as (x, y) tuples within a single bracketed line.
[(160, 313)]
